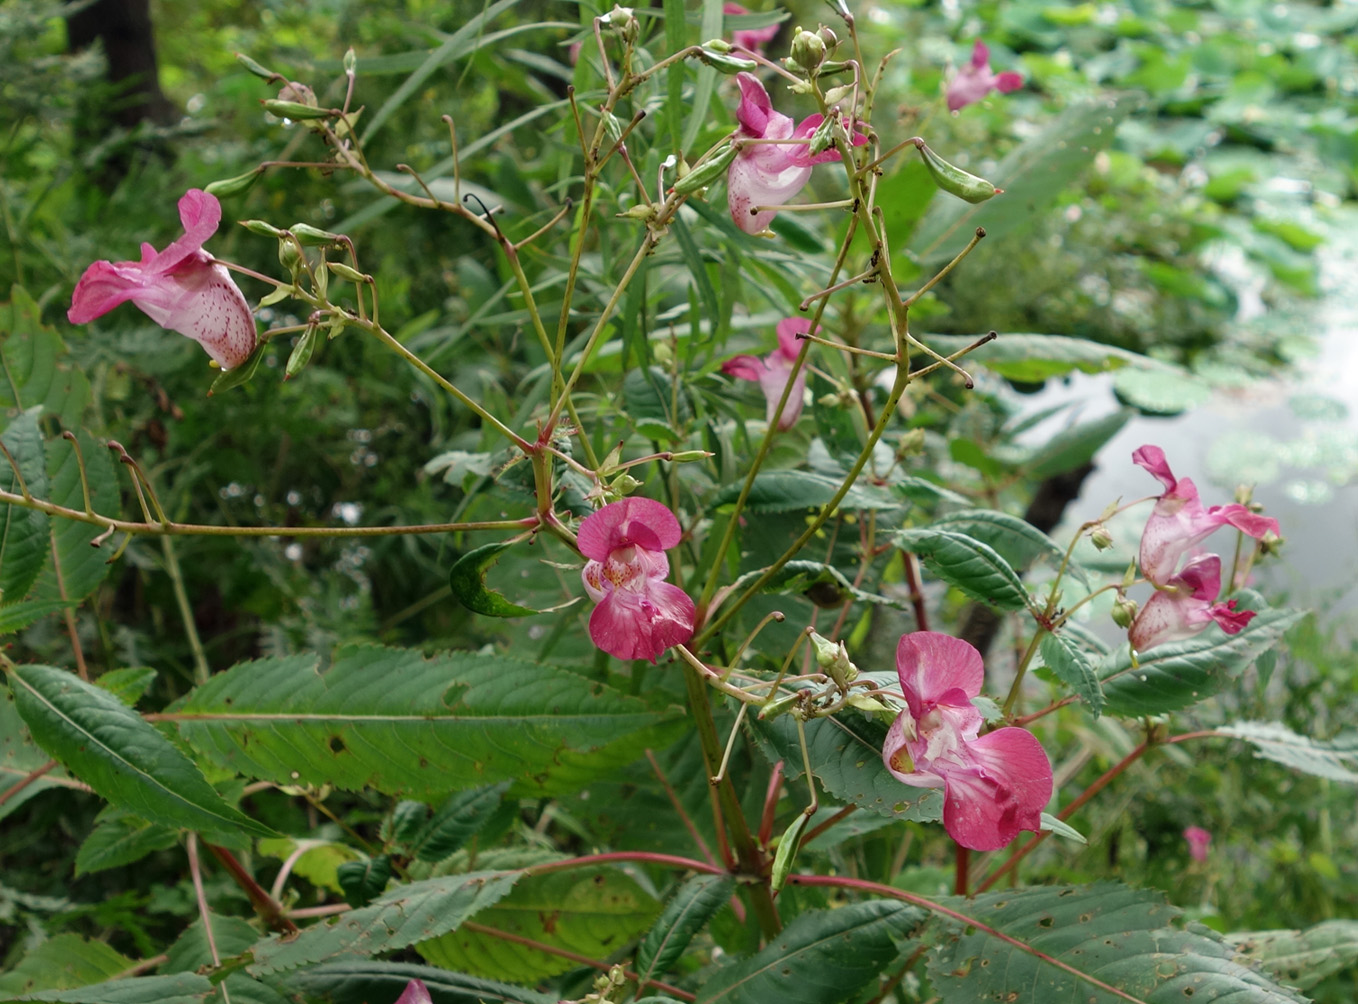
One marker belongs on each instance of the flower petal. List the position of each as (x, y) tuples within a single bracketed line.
[(415, 993), (762, 176), (931, 665), (641, 624), (201, 214), (1003, 789), (636, 521)]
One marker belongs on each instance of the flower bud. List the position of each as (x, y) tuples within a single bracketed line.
[(1124, 612), (623, 21), (1101, 538), (290, 256), (833, 658), (300, 93), (830, 39), (808, 50)]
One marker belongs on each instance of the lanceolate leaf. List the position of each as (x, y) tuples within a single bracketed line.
[(17, 616), (20, 756), (23, 532), (456, 822), (1104, 935), (971, 566), (1300, 958), (118, 839), (1030, 358), (1076, 446), (109, 747), (822, 584), (846, 757), (1180, 674), (1015, 540), (395, 721), (822, 957), (1275, 741), (1074, 667), (77, 568), (179, 988), (406, 915), (62, 962), (364, 982), (787, 491), (691, 907)]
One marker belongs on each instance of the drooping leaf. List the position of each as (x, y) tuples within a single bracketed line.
[(1105, 935), (178, 988), (395, 721), (822, 957), (1179, 674), (1075, 447), (587, 911), (62, 962), (688, 911), (1014, 539), (363, 981), (113, 750), (467, 578), (846, 757), (971, 566), (1030, 358), (403, 916), (120, 838), (23, 532), (17, 616), (457, 821), (1275, 741), (76, 568), (1300, 958), (1074, 666), (788, 491)]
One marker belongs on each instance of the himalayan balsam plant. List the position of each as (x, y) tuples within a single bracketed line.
[(676, 713)]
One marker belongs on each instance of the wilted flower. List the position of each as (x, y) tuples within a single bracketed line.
[(769, 174), (180, 288), (773, 370), (1185, 605), (639, 614), (1198, 842), (749, 38), (975, 80), (993, 785), (415, 993)]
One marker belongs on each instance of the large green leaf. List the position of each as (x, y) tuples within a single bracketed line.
[(405, 915), (20, 756), (591, 912), (1080, 941), (688, 911), (120, 838), (23, 532), (63, 962), (109, 747), (179, 988), (456, 821), (1029, 358), (392, 720), (822, 957), (1180, 674), (846, 757), (965, 562), (77, 568), (1074, 666), (1275, 741), (1074, 447), (33, 367), (787, 491), (366, 981), (1014, 539), (1301, 958)]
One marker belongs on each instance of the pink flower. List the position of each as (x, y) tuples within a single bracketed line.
[(1198, 842), (773, 370), (993, 785), (769, 174), (975, 80), (415, 993), (1185, 605), (639, 614), (750, 38), (1179, 521), (180, 288)]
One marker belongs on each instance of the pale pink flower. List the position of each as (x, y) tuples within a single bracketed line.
[(1185, 605), (1198, 842), (994, 785), (415, 993), (769, 174), (749, 38), (1179, 521), (180, 288), (639, 614), (975, 80), (773, 370)]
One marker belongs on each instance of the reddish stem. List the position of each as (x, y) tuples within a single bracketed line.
[(23, 783), (770, 805), (817, 831), (961, 864), (916, 591), (265, 905), (679, 808)]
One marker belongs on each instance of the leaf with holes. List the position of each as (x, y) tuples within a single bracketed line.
[(822, 957), (1301, 958), (1095, 944)]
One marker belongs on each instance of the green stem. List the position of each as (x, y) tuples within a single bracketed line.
[(1028, 654), (201, 670)]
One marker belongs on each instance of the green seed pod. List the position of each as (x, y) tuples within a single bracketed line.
[(953, 179), (781, 706), (314, 237), (722, 63), (345, 272), (787, 852), (261, 228), (295, 110), (254, 67), (301, 352), (706, 172), (232, 186)]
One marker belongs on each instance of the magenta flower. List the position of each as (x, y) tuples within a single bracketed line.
[(1198, 842), (769, 174), (415, 993), (639, 614), (180, 288), (993, 785), (772, 372), (750, 38), (975, 80), (1185, 605)]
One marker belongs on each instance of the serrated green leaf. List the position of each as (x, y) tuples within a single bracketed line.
[(690, 908), (23, 532), (1075, 447), (36, 370), (401, 917), (82, 567), (588, 911), (1180, 674), (238, 988), (1030, 358), (362, 881), (467, 578), (1275, 741), (120, 756), (1107, 935), (789, 491), (1014, 539), (364, 981), (179, 988), (1300, 958), (191, 951), (17, 616), (128, 685), (968, 564), (456, 821), (822, 584), (846, 757), (120, 838), (62, 962), (822, 957), (20, 756), (392, 720), (1074, 667)]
